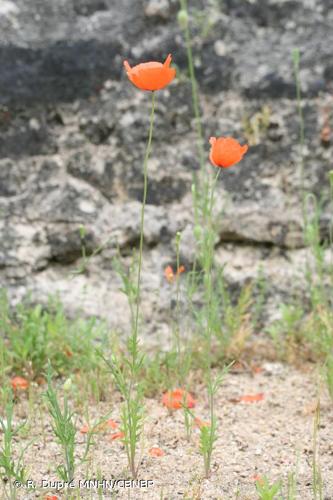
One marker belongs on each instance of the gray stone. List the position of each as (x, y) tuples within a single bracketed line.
[(73, 132)]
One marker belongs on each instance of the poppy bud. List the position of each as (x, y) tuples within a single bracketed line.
[(67, 385), (178, 237), (197, 233), (330, 173), (82, 230), (182, 19)]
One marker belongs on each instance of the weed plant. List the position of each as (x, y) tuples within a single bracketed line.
[(12, 470), (64, 429)]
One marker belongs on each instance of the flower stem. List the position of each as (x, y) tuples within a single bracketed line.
[(200, 183), (195, 97), (296, 61), (209, 256), (145, 186)]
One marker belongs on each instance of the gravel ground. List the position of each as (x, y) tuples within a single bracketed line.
[(273, 437)]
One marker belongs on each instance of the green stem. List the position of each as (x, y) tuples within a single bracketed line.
[(296, 60), (131, 428), (195, 96), (69, 466), (145, 186), (209, 257), (198, 195), (209, 292), (177, 326), (331, 227)]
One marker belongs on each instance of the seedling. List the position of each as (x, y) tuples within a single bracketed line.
[(64, 428), (208, 434), (267, 491), (11, 469)]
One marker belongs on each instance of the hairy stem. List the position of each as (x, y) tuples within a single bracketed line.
[(145, 186)]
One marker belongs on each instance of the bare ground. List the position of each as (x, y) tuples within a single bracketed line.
[(272, 437)]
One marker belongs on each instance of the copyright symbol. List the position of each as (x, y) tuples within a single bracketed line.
[(17, 483)]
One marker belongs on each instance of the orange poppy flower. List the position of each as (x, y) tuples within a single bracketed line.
[(117, 435), (19, 383), (181, 270), (156, 452), (169, 274), (226, 151), (112, 424), (51, 497), (151, 75), (177, 399), (258, 479)]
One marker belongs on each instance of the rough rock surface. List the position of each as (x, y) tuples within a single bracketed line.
[(73, 132)]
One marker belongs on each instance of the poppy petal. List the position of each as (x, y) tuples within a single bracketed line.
[(156, 452)]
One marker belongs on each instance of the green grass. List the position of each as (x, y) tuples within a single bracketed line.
[(33, 335)]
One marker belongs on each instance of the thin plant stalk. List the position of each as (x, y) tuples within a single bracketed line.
[(177, 326), (331, 227), (194, 85), (296, 60), (317, 485), (133, 403), (145, 188), (208, 435), (126, 374), (208, 263), (197, 193)]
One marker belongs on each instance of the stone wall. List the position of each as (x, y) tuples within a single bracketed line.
[(73, 132)]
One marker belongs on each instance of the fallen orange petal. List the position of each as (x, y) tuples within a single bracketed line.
[(177, 399), (112, 424), (19, 383), (68, 352), (252, 398), (169, 274), (117, 435), (156, 452), (181, 269), (257, 479), (200, 423), (51, 497)]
